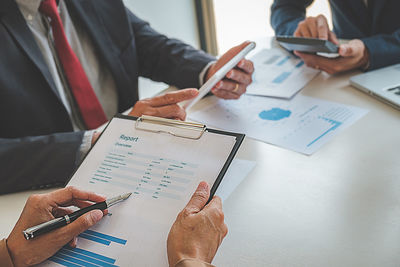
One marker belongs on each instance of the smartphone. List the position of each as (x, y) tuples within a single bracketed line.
[(307, 45), (219, 75)]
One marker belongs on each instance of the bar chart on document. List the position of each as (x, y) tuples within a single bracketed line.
[(302, 124), (277, 73), (161, 182)]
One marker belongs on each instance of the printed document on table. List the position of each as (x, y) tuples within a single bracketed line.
[(303, 124), (277, 73), (162, 172)]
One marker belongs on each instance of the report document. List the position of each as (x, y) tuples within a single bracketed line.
[(162, 171)]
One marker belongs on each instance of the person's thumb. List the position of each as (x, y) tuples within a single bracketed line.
[(199, 198), (346, 50), (83, 223)]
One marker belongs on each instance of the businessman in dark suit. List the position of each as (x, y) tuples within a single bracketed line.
[(372, 26), (68, 66)]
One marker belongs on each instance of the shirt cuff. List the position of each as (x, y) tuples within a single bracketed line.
[(192, 263), (202, 74), (5, 257), (86, 144)]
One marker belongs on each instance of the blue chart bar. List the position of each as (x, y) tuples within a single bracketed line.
[(101, 238), (282, 77), (283, 61), (300, 64), (335, 125), (95, 239), (72, 257)]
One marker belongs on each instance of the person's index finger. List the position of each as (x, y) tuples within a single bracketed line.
[(199, 198), (246, 65), (68, 194), (173, 97), (322, 27)]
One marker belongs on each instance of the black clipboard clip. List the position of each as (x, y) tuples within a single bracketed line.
[(189, 130)]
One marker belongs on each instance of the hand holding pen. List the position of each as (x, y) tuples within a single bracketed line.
[(43, 208)]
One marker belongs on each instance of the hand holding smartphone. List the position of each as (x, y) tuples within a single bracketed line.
[(307, 45)]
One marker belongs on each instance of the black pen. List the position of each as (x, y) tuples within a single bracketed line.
[(46, 227)]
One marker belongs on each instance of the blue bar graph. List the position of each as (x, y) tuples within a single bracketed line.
[(101, 238), (283, 61), (72, 257), (282, 77), (335, 125), (95, 239)]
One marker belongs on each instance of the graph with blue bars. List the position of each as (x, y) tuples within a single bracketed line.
[(76, 257), (285, 74)]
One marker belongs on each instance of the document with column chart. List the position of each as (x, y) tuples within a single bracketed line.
[(277, 73), (303, 124), (161, 164)]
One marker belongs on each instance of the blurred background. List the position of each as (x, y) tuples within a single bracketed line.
[(212, 25)]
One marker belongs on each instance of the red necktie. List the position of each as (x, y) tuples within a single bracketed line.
[(86, 99)]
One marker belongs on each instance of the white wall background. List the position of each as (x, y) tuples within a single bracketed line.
[(175, 18), (238, 20)]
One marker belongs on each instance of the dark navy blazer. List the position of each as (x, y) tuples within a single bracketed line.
[(37, 144), (378, 26)]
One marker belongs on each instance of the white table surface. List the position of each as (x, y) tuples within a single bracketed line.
[(338, 207)]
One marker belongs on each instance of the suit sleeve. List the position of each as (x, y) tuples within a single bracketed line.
[(167, 60), (286, 15), (38, 162), (384, 49)]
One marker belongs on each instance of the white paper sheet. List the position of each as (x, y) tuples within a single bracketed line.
[(162, 171), (302, 124), (278, 73), (237, 172)]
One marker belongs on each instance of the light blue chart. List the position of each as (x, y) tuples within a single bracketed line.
[(76, 257), (73, 257), (101, 238), (303, 124), (279, 74)]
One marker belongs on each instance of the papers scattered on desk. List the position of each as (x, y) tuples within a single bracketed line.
[(278, 73), (303, 124)]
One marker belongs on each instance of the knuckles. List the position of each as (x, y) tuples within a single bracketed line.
[(34, 199), (218, 215)]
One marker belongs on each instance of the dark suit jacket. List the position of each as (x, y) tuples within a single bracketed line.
[(38, 147), (378, 26)]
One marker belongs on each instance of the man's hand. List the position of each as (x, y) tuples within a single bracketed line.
[(165, 106), (236, 80), (198, 230), (316, 27), (353, 55), (45, 207)]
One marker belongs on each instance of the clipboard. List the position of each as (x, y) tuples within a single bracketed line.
[(191, 130), (159, 161)]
